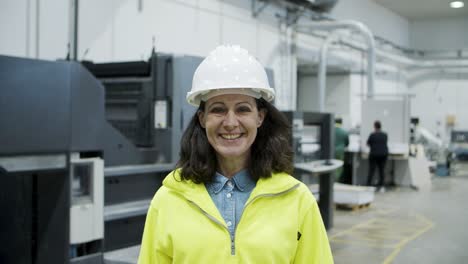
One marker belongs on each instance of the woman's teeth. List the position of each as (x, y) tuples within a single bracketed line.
[(231, 136)]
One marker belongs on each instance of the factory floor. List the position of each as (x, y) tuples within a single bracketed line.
[(402, 225), (406, 226)]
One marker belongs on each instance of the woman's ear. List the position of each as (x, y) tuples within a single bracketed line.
[(201, 118), (261, 116)]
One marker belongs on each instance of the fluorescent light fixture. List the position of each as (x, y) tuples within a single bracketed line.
[(457, 4)]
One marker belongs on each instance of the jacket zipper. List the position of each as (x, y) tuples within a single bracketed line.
[(208, 215), (216, 222), (233, 247)]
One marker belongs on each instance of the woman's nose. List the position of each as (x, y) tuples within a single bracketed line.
[(230, 120)]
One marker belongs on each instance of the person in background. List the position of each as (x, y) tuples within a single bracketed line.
[(231, 198), (378, 154), (341, 142)]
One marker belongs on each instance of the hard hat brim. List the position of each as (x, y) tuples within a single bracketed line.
[(194, 98)]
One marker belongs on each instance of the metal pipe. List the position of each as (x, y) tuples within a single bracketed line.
[(403, 61), (346, 24), (73, 34), (322, 73), (38, 27), (28, 26), (291, 66)]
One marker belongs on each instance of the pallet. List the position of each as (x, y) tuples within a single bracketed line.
[(352, 207)]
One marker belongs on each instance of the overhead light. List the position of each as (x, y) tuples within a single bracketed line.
[(457, 4)]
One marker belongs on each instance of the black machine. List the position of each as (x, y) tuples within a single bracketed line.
[(145, 103), (459, 145), (45, 115), (313, 138), (54, 113)]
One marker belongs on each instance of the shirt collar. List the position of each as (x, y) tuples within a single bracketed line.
[(241, 180)]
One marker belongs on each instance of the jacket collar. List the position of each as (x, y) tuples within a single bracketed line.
[(278, 182), (197, 193)]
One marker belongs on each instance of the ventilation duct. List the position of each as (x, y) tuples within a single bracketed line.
[(316, 5)]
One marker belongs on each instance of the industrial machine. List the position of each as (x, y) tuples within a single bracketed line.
[(459, 144), (145, 104), (458, 159), (313, 144), (82, 157), (394, 116), (87, 202), (52, 117)]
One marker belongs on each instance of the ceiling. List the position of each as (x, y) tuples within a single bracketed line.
[(424, 9)]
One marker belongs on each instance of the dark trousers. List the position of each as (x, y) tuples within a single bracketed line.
[(378, 161)]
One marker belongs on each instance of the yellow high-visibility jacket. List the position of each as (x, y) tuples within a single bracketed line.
[(281, 223)]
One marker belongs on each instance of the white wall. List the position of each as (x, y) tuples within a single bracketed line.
[(186, 26), (387, 87), (29, 30), (122, 32), (440, 34), (438, 95), (336, 95), (54, 30), (344, 94), (382, 21), (394, 117), (13, 27)]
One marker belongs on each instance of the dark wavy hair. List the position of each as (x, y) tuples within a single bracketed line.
[(270, 152)]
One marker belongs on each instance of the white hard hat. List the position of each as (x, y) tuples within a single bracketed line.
[(229, 70)]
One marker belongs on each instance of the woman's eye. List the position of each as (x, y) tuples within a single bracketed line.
[(244, 109), (217, 110)]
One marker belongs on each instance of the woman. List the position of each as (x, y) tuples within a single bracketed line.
[(231, 198)]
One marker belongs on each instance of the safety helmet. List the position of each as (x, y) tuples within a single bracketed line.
[(229, 70)]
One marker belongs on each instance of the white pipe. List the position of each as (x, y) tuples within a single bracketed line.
[(292, 67), (28, 26), (73, 30), (346, 24), (322, 73), (411, 63), (38, 27), (415, 64)]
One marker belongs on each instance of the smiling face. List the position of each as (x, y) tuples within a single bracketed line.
[(231, 122)]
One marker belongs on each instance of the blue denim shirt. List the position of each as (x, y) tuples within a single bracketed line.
[(230, 196)]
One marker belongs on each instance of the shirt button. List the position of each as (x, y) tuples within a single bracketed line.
[(229, 183), (228, 195), (229, 223)]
